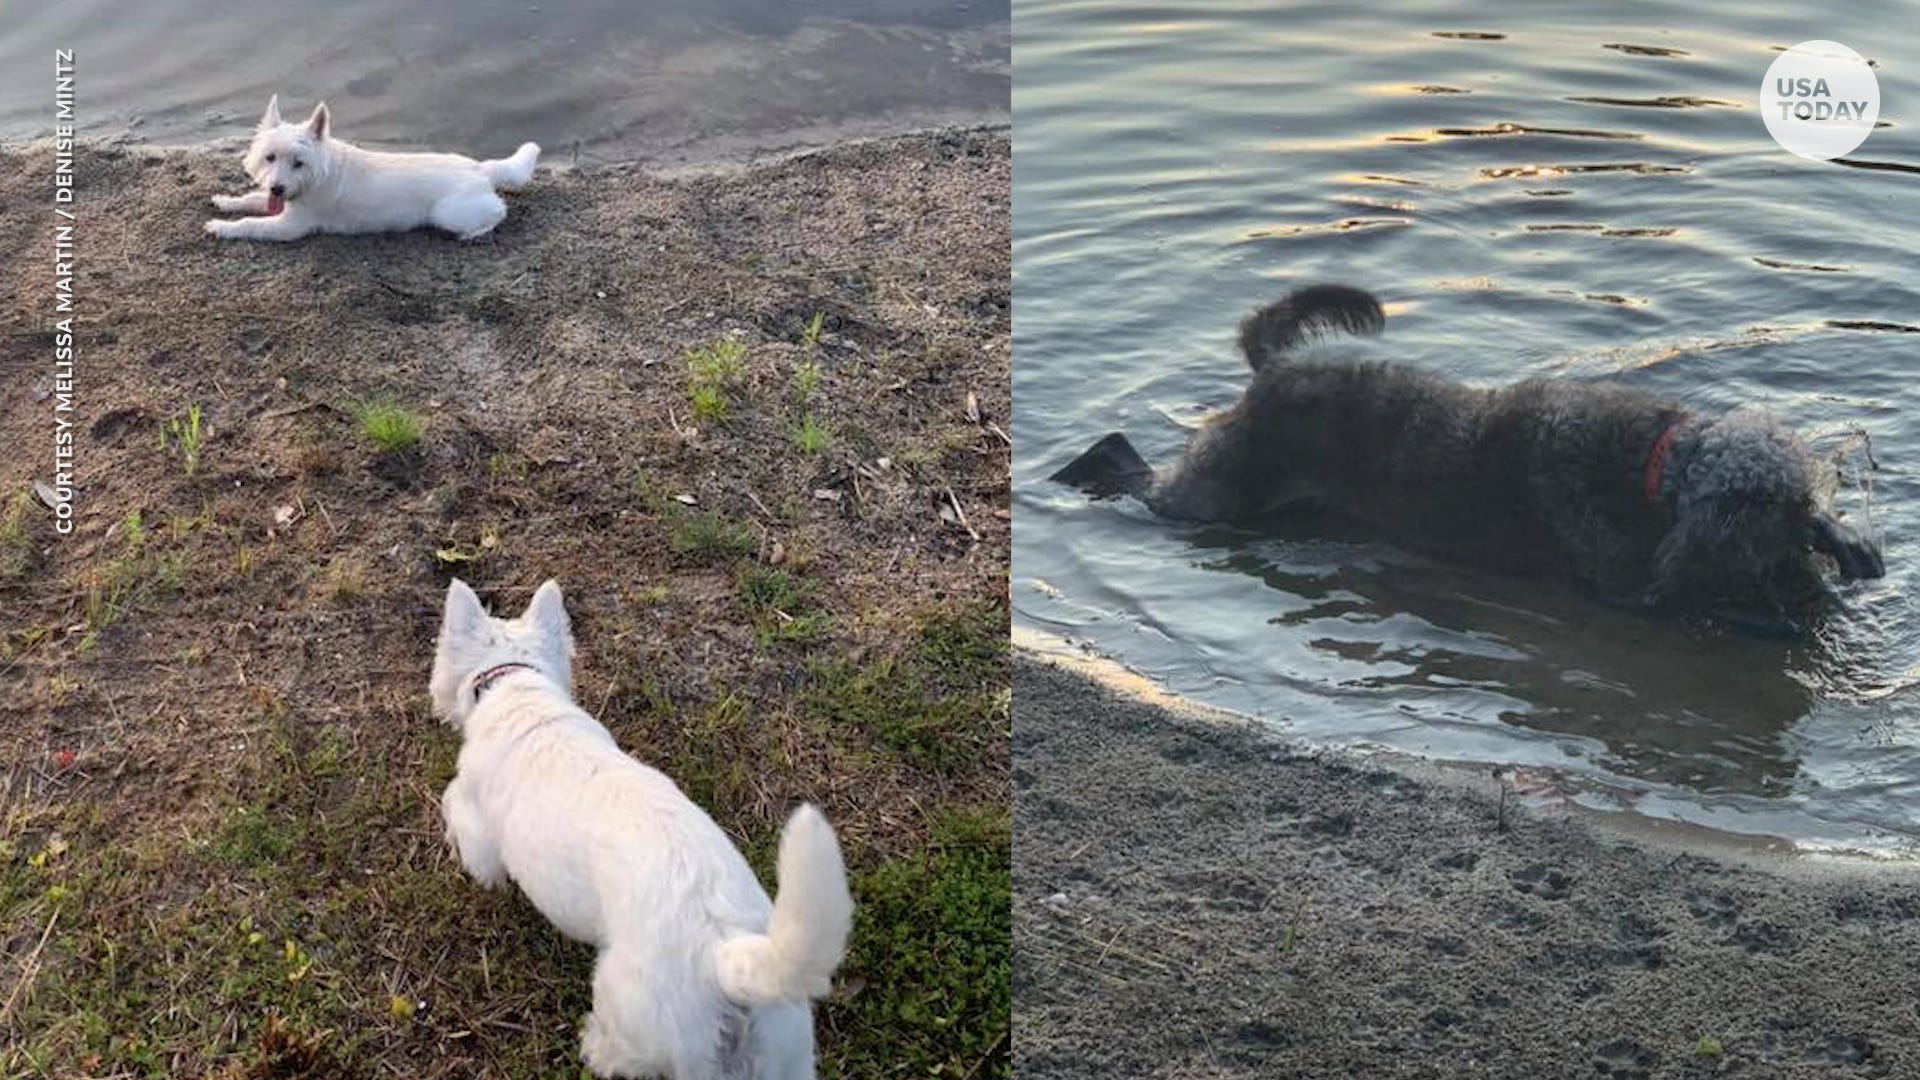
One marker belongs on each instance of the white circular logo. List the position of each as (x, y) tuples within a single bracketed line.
[(1820, 100)]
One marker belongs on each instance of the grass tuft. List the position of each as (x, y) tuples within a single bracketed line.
[(810, 435), (185, 435), (17, 552), (707, 535), (713, 370), (783, 606), (390, 427)]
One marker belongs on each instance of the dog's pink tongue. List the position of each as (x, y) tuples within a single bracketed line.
[(275, 204)]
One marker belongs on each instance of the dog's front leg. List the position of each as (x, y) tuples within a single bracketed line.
[(253, 202), (282, 227), (467, 831)]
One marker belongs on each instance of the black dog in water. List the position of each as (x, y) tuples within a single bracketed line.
[(1635, 498)]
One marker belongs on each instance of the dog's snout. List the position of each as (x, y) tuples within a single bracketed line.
[(277, 189), (1857, 556)]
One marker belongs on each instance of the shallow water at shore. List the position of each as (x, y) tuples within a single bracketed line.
[(1544, 190), (677, 82)]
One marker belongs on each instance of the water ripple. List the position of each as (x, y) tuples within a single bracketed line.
[(1168, 182)]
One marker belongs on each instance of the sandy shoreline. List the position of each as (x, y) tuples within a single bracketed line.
[(1193, 899)]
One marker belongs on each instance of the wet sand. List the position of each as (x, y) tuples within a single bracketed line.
[(1195, 899)]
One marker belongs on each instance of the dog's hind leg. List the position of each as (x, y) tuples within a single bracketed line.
[(635, 1031), (781, 1041), (467, 214), (467, 831)]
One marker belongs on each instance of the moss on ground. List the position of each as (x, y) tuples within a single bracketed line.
[(931, 951)]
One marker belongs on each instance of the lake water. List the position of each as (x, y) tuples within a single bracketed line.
[(1538, 189), (665, 81)]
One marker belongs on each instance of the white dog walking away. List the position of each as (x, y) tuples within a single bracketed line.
[(307, 181), (699, 976)]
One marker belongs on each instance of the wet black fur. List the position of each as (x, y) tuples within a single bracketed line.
[(1545, 476)]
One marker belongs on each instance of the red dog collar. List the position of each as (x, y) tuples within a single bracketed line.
[(1656, 468)]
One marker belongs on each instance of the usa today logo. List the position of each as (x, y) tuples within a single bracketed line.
[(1820, 100)]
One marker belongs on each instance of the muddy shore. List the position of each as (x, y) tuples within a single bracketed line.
[(1195, 899)]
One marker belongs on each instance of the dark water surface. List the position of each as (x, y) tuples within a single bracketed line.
[(655, 80), (1537, 189)]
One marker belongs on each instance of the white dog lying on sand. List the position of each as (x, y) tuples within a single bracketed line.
[(307, 182), (699, 976)]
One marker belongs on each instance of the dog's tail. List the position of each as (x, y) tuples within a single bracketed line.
[(513, 173), (1269, 333), (807, 935)]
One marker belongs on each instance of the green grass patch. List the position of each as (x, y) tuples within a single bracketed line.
[(713, 372), (276, 943), (784, 606), (932, 942), (707, 535), (17, 551), (390, 427), (135, 574), (937, 705), (256, 836), (715, 768)]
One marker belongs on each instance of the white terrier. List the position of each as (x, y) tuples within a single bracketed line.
[(700, 977), (307, 182)]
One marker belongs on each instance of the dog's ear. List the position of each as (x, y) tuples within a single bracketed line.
[(320, 121), (547, 611), (1110, 467), (465, 618), (1673, 558), (271, 118)]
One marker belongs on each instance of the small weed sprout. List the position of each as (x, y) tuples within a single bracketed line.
[(186, 435), (810, 435), (712, 371), (346, 580), (810, 337), (504, 466), (806, 380)]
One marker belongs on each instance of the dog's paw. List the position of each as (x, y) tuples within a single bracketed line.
[(228, 204), (221, 229), (600, 1049)]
